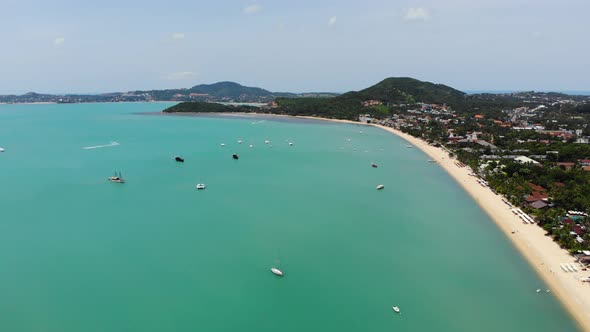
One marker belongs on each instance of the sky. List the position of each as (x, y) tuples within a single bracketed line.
[(63, 46)]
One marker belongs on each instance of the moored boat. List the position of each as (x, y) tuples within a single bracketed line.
[(379, 187), (396, 309), (117, 178), (276, 271), (2, 150), (201, 186), (179, 159), (235, 156), (374, 165)]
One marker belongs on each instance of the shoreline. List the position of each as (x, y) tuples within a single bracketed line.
[(540, 251)]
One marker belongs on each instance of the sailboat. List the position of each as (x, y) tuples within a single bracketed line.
[(117, 178)]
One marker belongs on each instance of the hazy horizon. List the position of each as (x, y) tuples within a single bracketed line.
[(467, 91), (334, 46)]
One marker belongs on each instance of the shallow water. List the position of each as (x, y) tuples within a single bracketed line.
[(78, 253)]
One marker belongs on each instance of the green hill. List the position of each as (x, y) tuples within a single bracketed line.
[(231, 90), (391, 91), (409, 90)]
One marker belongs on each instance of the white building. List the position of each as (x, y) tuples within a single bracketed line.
[(525, 160)]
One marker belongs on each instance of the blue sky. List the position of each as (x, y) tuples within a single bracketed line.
[(101, 46)]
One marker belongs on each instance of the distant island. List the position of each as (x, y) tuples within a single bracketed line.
[(217, 92)]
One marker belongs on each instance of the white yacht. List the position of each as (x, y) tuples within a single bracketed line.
[(379, 187), (276, 271), (201, 186), (396, 309)]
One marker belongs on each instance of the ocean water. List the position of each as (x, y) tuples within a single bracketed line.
[(78, 253)]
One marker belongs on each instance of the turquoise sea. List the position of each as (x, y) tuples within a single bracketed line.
[(78, 253)]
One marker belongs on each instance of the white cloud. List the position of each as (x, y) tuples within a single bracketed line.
[(59, 40), (178, 35), (419, 13), (332, 21), (252, 9), (183, 75)]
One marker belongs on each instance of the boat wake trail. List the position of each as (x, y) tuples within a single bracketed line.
[(113, 143)]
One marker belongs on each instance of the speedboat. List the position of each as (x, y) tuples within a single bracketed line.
[(374, 165), (235, 156), (276, 271), (179, 159), (379, 187), (201, 186), (117, 178), (396, 309)]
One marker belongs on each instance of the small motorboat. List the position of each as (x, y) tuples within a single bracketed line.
[(266, 142), (409, 146), (379, 187), (235, 156), (2, 150), (239, 142), (291, 143), (538, 290), (222, 144), (251, 146), (374, 165), (276, 271), (117, 178), (396, 310), (179, 159), (201, 186)]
